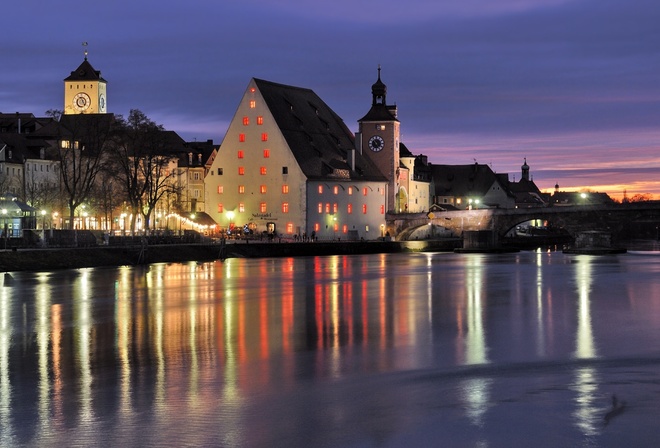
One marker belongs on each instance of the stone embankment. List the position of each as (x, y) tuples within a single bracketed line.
[(72, 258)]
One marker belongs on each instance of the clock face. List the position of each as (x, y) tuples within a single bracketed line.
[(102, 102), (81, 102), (376, 143)]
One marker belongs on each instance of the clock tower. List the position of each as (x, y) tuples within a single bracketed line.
[(85, 91), (378, 136)]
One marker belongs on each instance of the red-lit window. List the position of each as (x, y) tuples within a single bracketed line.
[(241, 170), (241, 137), (221, 209), (289, 227), (350, 190), (285, 207), (327, 207), (252, 89), (382, 209), (221, 189), (350, 208), (335, 189), (317, 226), (344, 228), (264, 137), (241, 207), (253, 104), (240, 154), (246, 121), (262, 170), (260, 120), (285, 189), (364, 191), (262, 207), (320, 189), (262, 189), (320, 207), (241, 189), (334, 208), (364, 208), (336, 227), (266, 153)]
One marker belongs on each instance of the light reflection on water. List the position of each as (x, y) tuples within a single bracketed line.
[(350, 350)]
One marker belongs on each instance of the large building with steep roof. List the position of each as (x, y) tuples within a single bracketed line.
[(288, 165)]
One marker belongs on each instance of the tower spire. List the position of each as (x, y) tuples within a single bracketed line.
[(84, 44)]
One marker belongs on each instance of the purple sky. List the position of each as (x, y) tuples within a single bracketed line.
[(572, 85)]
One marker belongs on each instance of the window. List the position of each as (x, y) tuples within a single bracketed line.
[(382, 209), (334, 208), (350, 208), (221, 209), (221, 189), (364, 191), (241, 207), (260, 120), (320, 189), (241, 137), (344, 228), (364, 208), (262, 189), (289, 227), (350, 191), (262, 170), (264, 137), (253, 104), (327, 207), (219, 171), (320, 207), (285, 189), (317, 226), (240, 154), (241, 170), (336, 227), (285, 170), (285, 207), (335, 189), (262, 207), (241, 189), (196, 193), (380, 127), (195, 175), (266, 153), (246, 121)]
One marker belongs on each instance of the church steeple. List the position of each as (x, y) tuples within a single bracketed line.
[(525, 170), (85, 90), (378, 91)]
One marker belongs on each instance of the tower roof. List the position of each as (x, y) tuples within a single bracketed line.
[(379, 111), (85, 72)]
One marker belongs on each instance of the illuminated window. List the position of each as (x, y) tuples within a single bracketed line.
[(335, 189), (380, 127), (289, 227), (252, 89), (241, 137), (241, 189), (253, 104), (241, 207), (344, 228), (262, 207), (320, 189), (260, 120), (320, 207), (382, 209), (246, 121), (334, 208), (285, 189), (317, 226), (263, 170), (262, 189), (240, 154), (285, 207), (327, 207), (221, 209), (364, 208), (221, 189), (350, 190), (241, 170), (350, 208), (264, 137), (266, 153), (364, 191), (382, 192), (336, 227), (458, 200)]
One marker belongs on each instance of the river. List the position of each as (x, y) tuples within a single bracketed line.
[(390, 350)]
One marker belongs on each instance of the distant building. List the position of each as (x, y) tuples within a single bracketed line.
[(525, 191)]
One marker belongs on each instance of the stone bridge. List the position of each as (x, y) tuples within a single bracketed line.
[(622, 220)]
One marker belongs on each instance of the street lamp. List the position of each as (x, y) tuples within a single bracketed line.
[(230, 217), (192, 221)]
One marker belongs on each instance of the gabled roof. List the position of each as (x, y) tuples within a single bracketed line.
[(316, 135), (464, 180), (85, 72)]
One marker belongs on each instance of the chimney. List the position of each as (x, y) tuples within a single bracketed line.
[(351, 159), (19, 122)]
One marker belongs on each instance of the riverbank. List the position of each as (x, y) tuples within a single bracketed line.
[(99, 256)]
